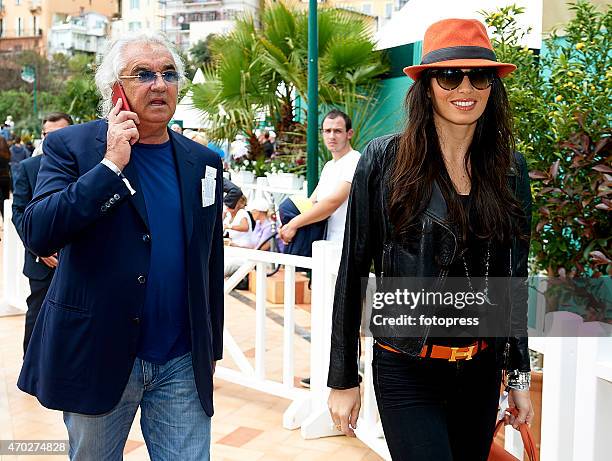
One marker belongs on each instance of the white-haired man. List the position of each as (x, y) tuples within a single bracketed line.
[(134, 315)]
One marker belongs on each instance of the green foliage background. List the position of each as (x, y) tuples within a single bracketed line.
[(561, 102), (64, 84)]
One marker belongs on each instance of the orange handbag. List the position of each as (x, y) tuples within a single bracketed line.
[(498, 453)]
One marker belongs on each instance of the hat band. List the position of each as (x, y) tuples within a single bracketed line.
[(458, 52)]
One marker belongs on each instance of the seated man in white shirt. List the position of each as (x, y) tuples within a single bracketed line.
[(330, 197)]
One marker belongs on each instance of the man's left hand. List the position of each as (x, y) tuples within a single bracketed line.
[(287, 232)]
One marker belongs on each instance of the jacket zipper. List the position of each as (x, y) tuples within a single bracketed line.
[(443, 273)]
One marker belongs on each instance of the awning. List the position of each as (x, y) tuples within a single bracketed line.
[(409, 24)]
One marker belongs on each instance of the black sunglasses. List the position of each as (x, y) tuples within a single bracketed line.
[(449, 79), (147, 76)]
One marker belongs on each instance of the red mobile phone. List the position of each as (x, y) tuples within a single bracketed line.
[(118, 93)]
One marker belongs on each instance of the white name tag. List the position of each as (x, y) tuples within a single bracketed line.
[(211, 172), (208, 191)]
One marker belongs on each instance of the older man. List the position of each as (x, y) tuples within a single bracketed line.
[(39, 271), (134, 315)]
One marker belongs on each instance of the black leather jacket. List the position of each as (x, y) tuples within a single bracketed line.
[(367, 237)]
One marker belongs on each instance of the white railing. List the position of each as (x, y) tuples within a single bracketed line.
[(576, 390), (255, 378), (15, 286), (308, 409), (326, 258)]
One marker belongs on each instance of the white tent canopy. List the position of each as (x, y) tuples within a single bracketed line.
[(409, 24), (191, 117)]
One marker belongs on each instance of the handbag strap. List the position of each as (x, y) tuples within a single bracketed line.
[(526, 436)]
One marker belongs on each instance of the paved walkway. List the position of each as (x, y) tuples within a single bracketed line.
[(247, 425)]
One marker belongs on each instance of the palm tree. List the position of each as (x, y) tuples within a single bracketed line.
[(264, 70), (237, 86)]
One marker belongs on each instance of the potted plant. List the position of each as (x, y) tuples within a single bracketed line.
[(281, 176), (243, 171)]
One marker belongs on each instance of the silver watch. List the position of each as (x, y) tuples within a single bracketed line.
[(519, 380)]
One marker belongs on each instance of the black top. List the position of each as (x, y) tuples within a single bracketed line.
[(467, 272)]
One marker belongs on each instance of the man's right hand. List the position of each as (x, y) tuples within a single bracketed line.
[(50, 261), (344, 405), (122, 134)]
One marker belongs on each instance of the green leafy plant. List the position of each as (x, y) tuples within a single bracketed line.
[(64, 84), (561, 102)]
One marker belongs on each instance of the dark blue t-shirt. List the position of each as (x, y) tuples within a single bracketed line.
[(165, 332)]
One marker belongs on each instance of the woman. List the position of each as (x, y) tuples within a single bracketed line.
[(239, 226), (265, 228), (447, 198)]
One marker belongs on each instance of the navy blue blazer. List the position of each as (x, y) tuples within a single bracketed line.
[(84, 343), (24, 182)]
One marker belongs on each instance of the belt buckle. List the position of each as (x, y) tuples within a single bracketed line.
[(457, 354)]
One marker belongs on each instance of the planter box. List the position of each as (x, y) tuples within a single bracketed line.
[(275, 287), (285, 180), (242, 177)]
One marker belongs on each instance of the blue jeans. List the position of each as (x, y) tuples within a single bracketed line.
[(173, 423)]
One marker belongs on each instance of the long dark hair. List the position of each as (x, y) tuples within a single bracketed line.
[(493, 210)]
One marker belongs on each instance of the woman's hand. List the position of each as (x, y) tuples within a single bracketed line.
[(344, 405), (521, 400)]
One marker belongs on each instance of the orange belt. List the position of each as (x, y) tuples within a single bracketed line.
[(452, 354)]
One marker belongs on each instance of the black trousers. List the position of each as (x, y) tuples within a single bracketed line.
[(38, 290), (435, 410)]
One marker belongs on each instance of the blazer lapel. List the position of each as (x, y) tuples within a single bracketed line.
[(188, 177), (136, 200)]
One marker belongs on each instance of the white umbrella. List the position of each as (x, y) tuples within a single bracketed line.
[(186, 112)]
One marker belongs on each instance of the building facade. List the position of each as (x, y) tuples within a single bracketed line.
[(136, 15), (26, 24), (86, 33), (185, 22)]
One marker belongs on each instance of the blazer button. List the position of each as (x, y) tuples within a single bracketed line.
[(146, 238), (116, 197), (142, 279), (136, 320)]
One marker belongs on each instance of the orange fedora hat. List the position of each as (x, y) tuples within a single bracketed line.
[(457, 43)]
